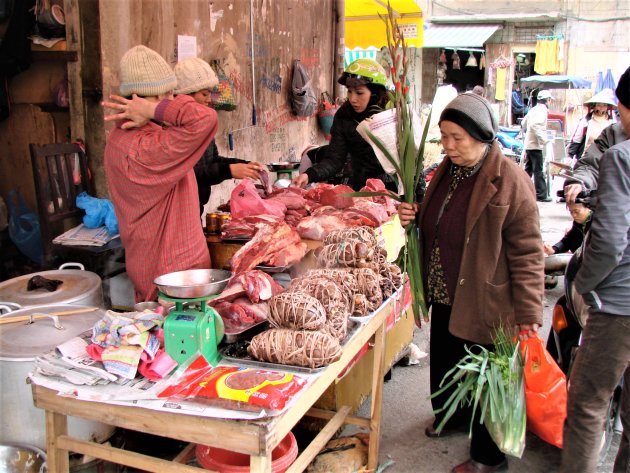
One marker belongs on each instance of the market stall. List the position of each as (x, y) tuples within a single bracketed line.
[(240, 350), (256, 438)]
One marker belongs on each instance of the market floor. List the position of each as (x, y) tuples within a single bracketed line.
[(407, 410)]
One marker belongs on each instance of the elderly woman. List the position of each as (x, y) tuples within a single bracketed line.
[(483, 256)]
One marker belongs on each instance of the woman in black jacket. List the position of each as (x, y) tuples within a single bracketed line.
[(366, 82)]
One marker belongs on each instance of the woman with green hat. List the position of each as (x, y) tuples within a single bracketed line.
[(366, 82)]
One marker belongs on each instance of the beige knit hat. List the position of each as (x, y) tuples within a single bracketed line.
[(146, 73), (194, 74)]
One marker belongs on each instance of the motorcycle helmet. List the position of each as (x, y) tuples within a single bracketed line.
[(544, 95), (365, 71)]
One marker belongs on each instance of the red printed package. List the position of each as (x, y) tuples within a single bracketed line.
[(236, 387)]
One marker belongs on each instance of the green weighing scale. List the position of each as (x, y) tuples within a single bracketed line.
[(193, 326)]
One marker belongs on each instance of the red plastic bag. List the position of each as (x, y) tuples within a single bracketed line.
[(245, 201), (545, 392)]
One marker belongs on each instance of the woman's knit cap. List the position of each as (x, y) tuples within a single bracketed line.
[(146, 73), (474, 114), (194, 74), (623, 89)]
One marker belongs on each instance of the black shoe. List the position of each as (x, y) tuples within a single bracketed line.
[(544, 199)]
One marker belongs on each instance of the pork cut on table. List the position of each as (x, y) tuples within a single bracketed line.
[(245, 227), (256, 285), (258, 312), (376, 185), (316, 227), (334, 197), (234, 316), (290, 197), (264, 247)]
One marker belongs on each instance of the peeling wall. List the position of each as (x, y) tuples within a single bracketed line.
[(283, 30)]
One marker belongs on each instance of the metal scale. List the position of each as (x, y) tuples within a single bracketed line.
[(285, 171), (193, 326)]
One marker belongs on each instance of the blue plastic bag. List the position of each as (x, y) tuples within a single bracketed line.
[(98, 212), (24, 229)]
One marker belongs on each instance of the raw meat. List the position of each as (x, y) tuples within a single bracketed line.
[(316, 192), (316, 227), (290, 198), (258, 312), (335, 198), (255, 285), (245, 227), (267, 242), (376, 185), (376, 212), (234, 316)]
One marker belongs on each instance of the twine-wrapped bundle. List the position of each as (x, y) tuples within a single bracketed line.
[(361, 305), (369, 283), (295, 347), (332, 297), (391, 278), (296, 310), (345, 254), (341, 277), (363, 234)]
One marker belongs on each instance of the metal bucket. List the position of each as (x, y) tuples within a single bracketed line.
[(20, 344)]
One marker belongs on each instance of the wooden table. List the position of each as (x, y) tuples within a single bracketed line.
[(256, 438)]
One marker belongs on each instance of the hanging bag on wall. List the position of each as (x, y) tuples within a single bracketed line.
[(326, 113), (302, 97), (24, 229), (223, 95)]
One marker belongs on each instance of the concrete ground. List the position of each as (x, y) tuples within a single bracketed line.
[(407, 410)]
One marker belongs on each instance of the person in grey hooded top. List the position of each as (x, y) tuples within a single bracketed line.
[(604, 281)]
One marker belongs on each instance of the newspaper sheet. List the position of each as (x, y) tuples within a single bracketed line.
[(84, 236), (383, 126)]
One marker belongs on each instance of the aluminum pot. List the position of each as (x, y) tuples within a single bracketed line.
[(20, 344), (79, 288)]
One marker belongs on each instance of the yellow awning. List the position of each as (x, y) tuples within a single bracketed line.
[(365, 28)]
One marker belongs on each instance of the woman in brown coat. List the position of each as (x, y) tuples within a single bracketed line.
[(483, 255)]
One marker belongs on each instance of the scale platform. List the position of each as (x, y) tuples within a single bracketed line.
[(192, 327)]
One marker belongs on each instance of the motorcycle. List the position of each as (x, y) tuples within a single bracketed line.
[(569, 318), (510, 139)]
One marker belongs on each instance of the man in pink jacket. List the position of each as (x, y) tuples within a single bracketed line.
[(149, 160)]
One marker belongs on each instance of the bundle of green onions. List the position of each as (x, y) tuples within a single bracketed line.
[(408, 163), (492, 382)]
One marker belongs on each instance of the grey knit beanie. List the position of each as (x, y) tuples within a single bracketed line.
[(194, 74), (146, 73), (474, 114)]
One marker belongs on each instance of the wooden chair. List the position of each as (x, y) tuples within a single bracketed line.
[(61, 173)]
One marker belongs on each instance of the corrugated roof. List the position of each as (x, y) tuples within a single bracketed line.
[(458, 36)]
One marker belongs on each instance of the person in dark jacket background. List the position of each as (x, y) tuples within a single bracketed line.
[(366, 82), (195, 77), (575, 236)]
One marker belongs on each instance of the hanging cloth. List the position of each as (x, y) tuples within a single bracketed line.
[(456, 61), (547, 57), (442, 56), (482, 61), (500, 90)]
